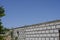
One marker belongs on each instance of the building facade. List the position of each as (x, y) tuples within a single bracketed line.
[(42, 31)]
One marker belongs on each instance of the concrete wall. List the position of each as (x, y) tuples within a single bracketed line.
[(45, 31), (19, 33)]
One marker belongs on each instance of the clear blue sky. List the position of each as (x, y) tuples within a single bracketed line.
[(26, 12)]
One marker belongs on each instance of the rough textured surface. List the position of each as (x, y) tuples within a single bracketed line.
[(44, 31)]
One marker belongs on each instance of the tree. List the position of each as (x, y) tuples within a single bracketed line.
[(1, 26)]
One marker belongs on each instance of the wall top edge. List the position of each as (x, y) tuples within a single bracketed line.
[(38, 24)]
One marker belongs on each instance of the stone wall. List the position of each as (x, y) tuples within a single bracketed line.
[(44, 31)]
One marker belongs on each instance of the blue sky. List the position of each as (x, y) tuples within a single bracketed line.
[(26, 12)]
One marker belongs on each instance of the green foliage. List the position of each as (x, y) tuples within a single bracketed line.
[(16, 38), (2, 12), (1, 38), (1, 27), (6, 29)]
